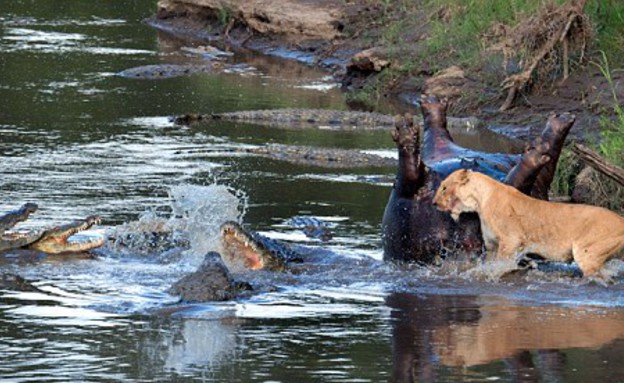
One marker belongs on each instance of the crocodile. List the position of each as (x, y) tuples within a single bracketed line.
[(412, 229), (311, 156), (239, 251), (54, 240), (162, 71), (322, 157), (243, 250), (158, 71), (294, 117), (312, 227)]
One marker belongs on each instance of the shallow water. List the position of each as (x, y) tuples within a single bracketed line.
[(79, 140)]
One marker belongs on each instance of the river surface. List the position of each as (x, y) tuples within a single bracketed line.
[(78, 139)]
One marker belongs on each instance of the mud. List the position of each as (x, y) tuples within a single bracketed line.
[(308, 31), (337, 36)]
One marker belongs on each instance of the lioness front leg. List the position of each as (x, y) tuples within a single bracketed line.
[(507, 250)]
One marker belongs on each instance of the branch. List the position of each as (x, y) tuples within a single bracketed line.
[(594, 160)]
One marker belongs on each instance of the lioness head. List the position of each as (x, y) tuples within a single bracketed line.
[(451, 195)]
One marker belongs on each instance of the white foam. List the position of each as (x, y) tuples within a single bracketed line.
[(205, 208)]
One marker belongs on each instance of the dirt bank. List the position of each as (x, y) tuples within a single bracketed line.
[(351, 40), (310, 31)]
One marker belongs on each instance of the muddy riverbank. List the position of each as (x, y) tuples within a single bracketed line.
[(349, 39), (79, 138)]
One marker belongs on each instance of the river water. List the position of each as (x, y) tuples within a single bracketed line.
[(77, 139)]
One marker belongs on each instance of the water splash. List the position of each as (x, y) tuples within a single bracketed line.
[(205, 208), (187, 233)]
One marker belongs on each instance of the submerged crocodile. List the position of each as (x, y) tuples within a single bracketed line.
[(211, 61), (54, 240), (322, 157), (312, 156), (157, 71), (338, 119), (162, 71)]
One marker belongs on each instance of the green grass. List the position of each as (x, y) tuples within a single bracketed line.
[(473, 19), (224, 15), (568, 168), (611, 144), (602, 190), (459, 39), (612, 136), (608, 19), (430, 35), (470, 22)]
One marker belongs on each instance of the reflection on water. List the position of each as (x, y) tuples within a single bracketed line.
[(79, 140), (433, 336)]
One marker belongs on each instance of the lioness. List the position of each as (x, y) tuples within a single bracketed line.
[(515, 224)]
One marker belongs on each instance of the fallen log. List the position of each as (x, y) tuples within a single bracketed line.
[(596, 161)]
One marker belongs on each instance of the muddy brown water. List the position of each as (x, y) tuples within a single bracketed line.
[(79, 140)]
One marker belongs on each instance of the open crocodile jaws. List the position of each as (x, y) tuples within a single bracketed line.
[(56, 240), (13, 240), (242, 251)]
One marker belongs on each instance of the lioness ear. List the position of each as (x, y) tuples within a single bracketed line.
[(464, 176)]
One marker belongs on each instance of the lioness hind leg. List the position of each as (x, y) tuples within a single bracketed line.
[(592, 258)]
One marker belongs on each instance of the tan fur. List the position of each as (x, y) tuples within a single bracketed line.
[(514, 223)]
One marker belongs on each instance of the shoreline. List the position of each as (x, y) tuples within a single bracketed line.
[(322, 37)]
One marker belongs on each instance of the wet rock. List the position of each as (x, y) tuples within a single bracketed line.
[(362, 65), (369, 60), (448, 83)]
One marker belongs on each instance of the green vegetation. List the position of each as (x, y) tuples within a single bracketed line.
[(608, 19), (467, 26), (612, 136), (568, 168), (598, 189), (611, 146), (435, 34), (224, 15)]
